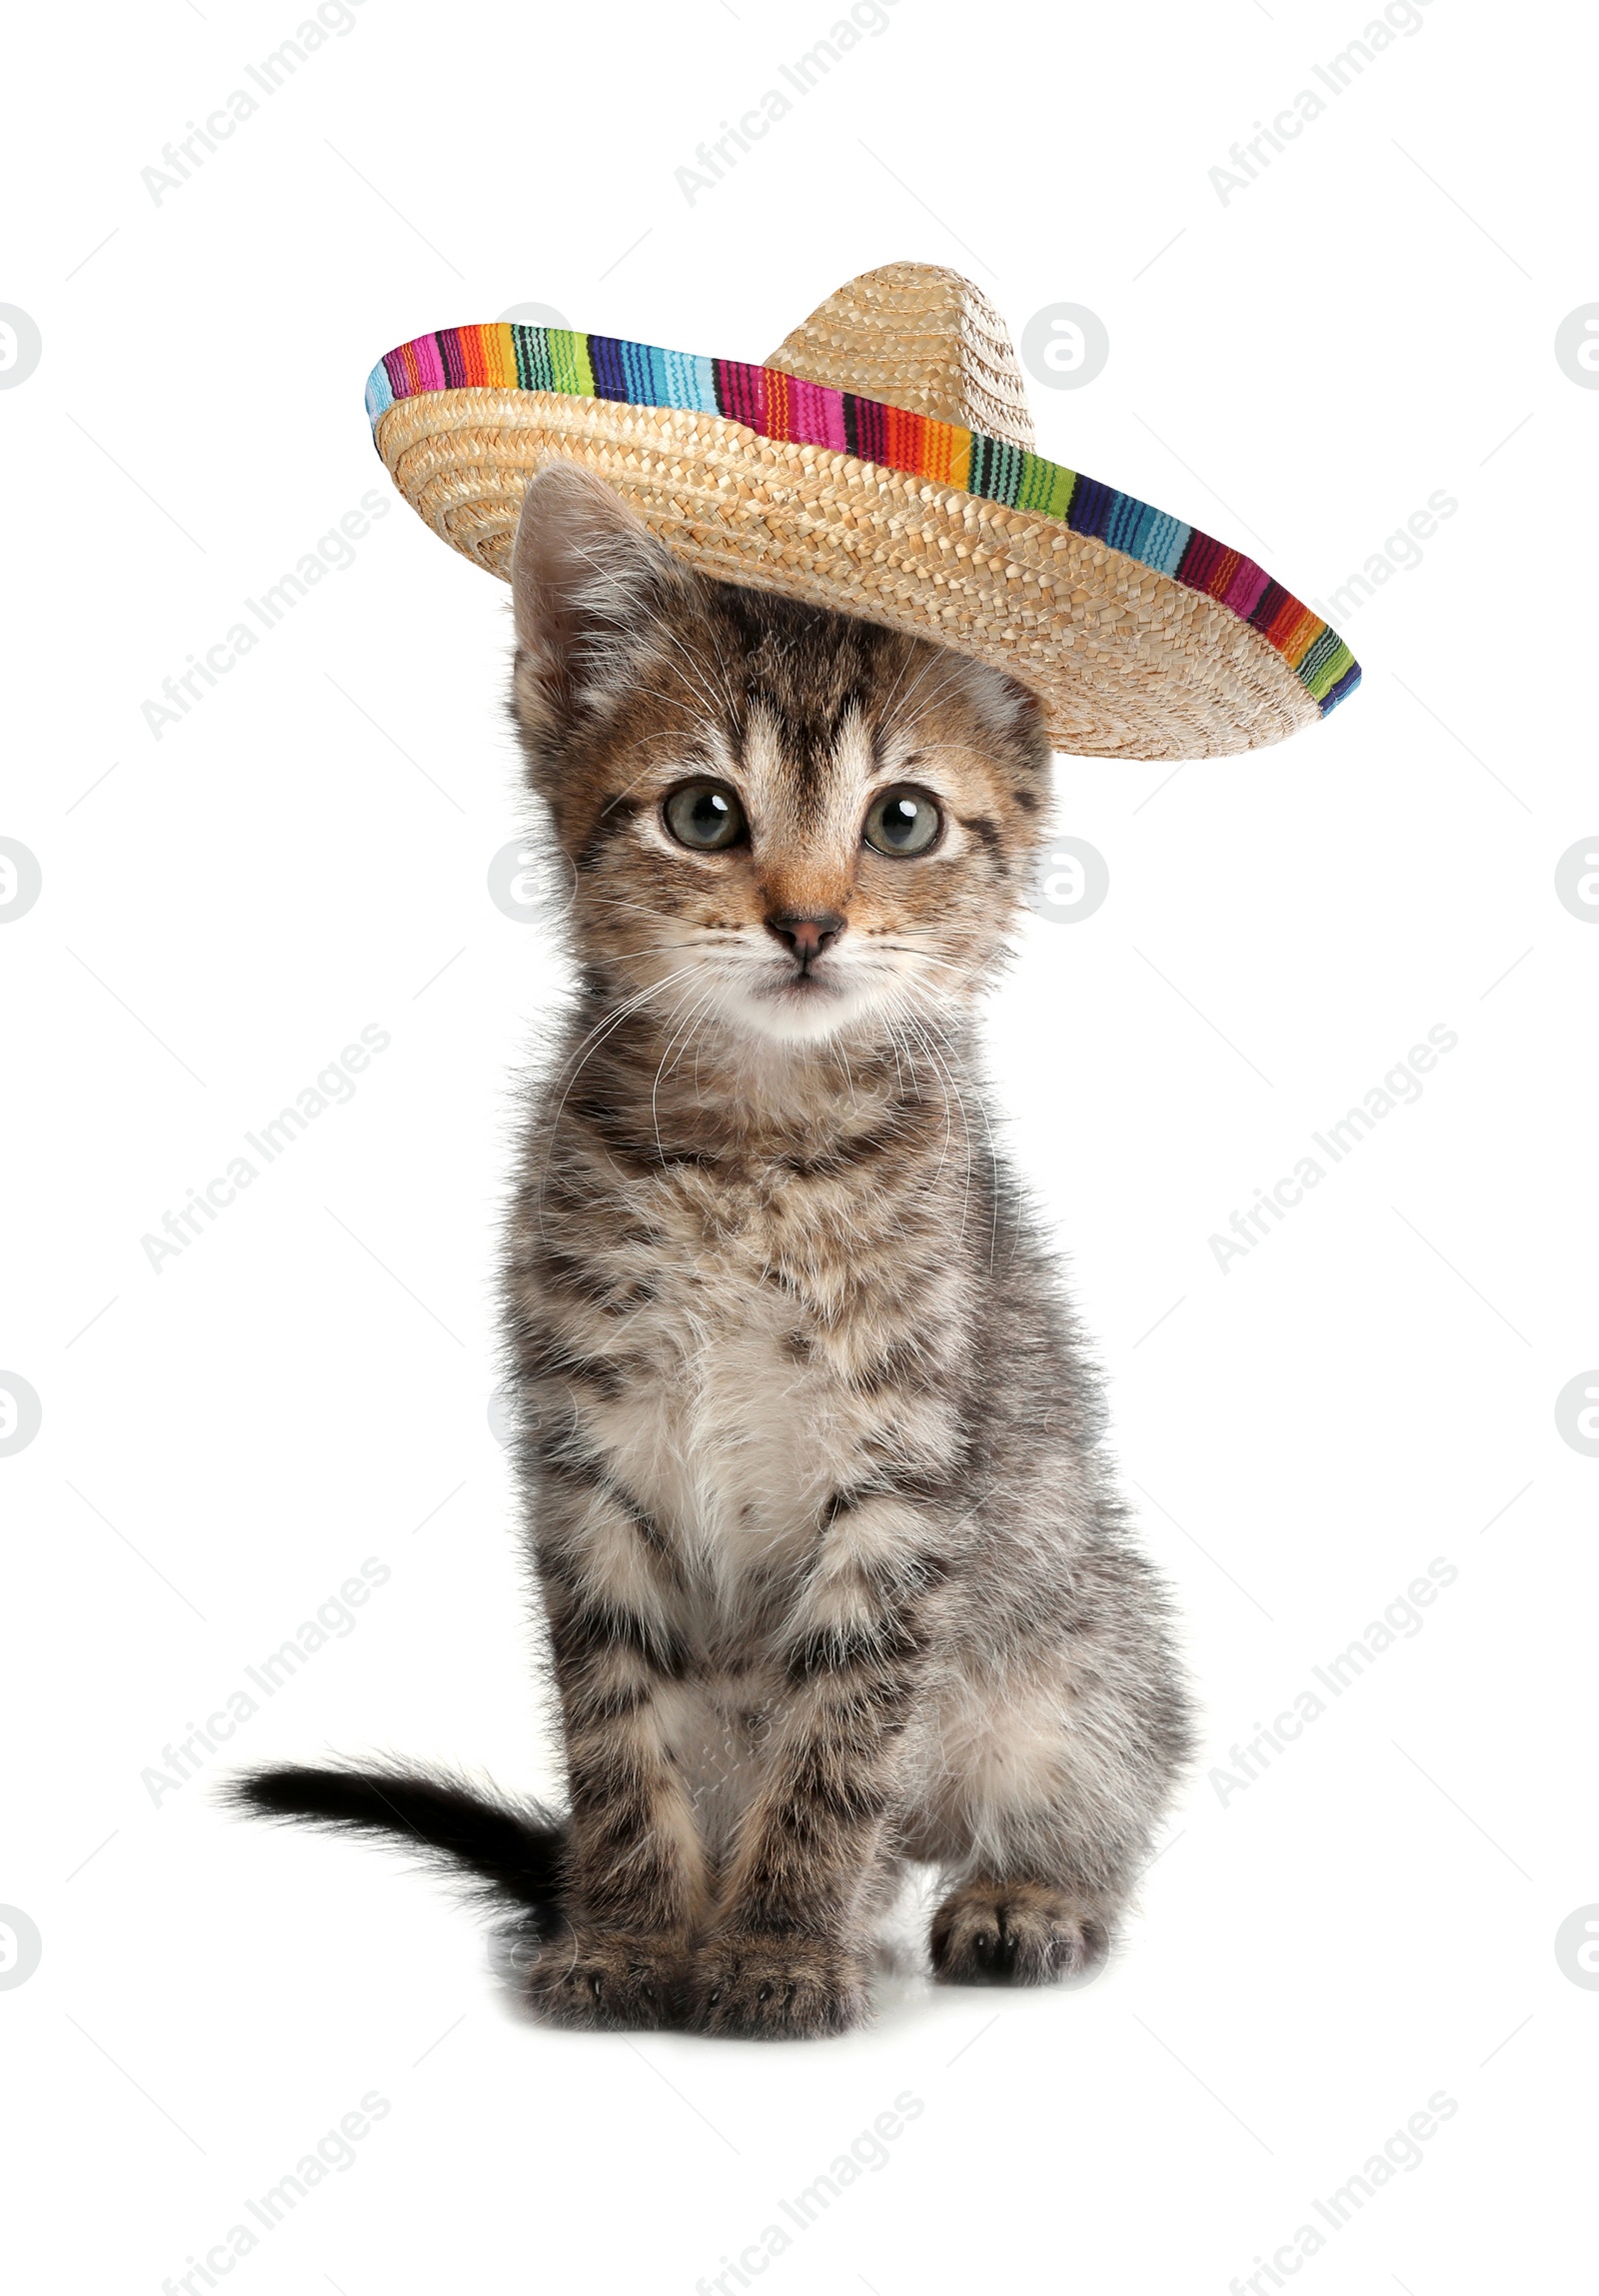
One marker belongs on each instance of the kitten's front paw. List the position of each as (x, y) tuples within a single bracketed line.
[(1014, 1933), (606, 1981), (776, 1988)]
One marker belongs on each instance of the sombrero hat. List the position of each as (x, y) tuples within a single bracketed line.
[(881, 464)]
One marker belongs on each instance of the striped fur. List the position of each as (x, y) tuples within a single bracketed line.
[(833, 1574)]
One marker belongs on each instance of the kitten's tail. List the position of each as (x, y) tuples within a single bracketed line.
[(509, 1851)]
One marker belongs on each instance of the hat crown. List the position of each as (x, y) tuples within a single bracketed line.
[(918, 336)]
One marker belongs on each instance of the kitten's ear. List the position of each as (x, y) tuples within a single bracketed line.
[(590, 585)]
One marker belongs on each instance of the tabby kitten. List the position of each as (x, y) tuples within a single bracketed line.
[(833, 1575)]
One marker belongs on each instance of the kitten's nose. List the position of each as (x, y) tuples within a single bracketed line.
[(807, 933)]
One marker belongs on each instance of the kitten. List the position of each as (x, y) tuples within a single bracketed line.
[(833, 1574)]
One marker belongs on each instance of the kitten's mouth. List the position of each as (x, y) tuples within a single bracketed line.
[(805, 982), (804, 1003)]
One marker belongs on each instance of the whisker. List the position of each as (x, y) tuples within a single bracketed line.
[(697, 1005), (591, 1044)]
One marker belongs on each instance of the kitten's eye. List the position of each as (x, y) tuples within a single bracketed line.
[(706, 816), (903, 820)]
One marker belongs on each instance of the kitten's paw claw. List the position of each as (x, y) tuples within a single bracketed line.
[(606, 1982), (1016, 1933), (777, 1989)]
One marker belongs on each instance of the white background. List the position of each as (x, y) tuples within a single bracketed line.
[(1298, 369)]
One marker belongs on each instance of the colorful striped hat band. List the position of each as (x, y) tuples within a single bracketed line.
[(880, 464)]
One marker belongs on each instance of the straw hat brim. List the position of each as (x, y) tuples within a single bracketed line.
[(1141, 636)]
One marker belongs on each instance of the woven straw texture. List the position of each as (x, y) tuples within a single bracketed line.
[(916, 335), (1143, 636)]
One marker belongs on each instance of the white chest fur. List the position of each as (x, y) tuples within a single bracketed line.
[(729, 1428)]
